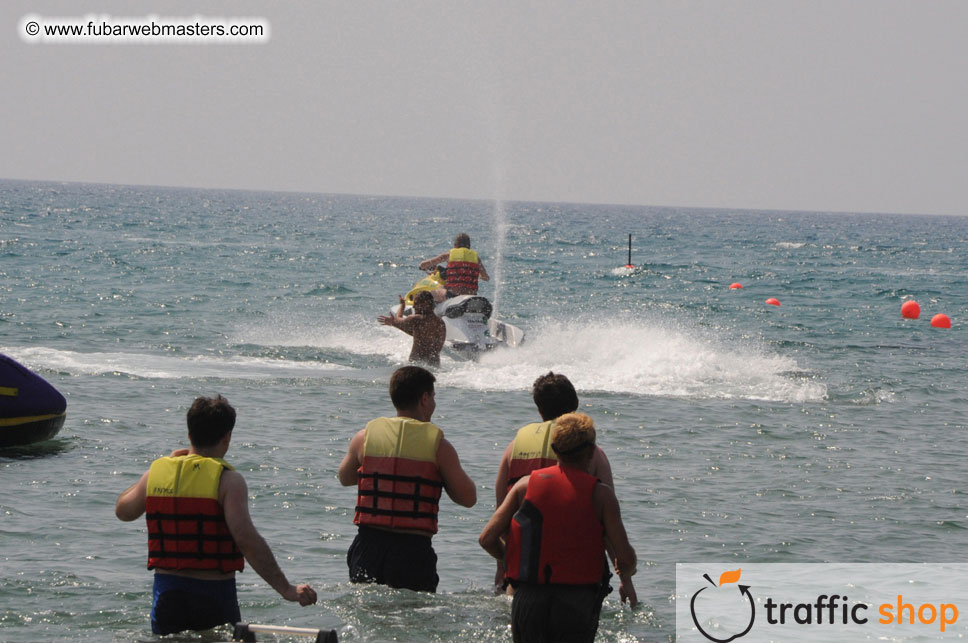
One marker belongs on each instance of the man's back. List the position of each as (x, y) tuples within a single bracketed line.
[(429, 333)]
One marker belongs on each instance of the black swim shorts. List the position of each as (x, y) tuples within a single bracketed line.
[(555, 613), (405, 561)]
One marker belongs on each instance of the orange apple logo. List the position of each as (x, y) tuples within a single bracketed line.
[(720, 602)]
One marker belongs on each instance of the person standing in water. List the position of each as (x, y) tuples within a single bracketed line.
[(464, 268), (426, 328), (531, 449), (400, 465), (551, 533), (199, 529)]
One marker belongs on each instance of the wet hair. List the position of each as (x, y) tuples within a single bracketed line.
[(408, 384), (209, 419), (462, 240), (554, 395), (422, 295), (573, 437)]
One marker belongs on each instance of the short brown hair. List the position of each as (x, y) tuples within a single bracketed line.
[(209, 419), (554, 395), (462, 240), (408, 384), (572, 436)]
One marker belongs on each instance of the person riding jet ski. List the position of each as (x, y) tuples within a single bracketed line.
[(464, 268)]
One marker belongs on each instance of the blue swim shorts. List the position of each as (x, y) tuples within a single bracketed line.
[(182, 603)]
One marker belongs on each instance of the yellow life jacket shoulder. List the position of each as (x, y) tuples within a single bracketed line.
[(531, 450)]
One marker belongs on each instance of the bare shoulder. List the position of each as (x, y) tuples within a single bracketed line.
[(232, 483)]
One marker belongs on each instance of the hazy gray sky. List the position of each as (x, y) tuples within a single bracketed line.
[(805, 104)]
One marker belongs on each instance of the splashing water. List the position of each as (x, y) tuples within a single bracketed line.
[(640, 358)]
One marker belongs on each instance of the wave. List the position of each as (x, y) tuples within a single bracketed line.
[(640, 358), (156, 366), (628, 356), (636, 357)]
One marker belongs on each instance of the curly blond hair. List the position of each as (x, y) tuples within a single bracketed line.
[(572, 436)]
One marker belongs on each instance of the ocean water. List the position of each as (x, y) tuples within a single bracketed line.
[(828, 429)]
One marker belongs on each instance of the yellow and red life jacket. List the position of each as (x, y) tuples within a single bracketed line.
[(556, 537), (186, 525), (463, 267), (531, 450), (398, 484)]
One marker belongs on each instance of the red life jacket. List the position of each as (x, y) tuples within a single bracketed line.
[(463, 267), (398, 483), (531, 450), (186, 525), (556, 537)]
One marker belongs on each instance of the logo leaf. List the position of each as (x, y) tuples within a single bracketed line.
[(729, 577)]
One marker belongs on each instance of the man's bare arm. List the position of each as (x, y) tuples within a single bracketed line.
[(457, 483), (131, 502), (617, 541), (601, 468), (501, 484), (433, 261), (234, 497), (491, 539), (352, 460)]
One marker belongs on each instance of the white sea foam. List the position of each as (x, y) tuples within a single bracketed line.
[(639, 358), (160, 366)]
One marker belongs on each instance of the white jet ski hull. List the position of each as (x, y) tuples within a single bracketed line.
[(470, 328)]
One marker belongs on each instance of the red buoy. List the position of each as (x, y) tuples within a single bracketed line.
[(736, 285), (941, 321), (773, 301), (910, 310)]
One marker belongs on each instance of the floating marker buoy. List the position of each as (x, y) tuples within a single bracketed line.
[(735, 286), (941, 321), (629, 265), (910, 310), (773, 301)]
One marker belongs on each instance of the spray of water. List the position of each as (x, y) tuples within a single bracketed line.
[(500, 238)]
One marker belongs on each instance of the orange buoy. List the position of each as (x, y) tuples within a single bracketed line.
[(773, 301), (735, 286), (910, 310), (941, 321)]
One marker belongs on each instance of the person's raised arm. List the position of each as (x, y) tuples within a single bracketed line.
[(433, 261), (131, 502), (457, 483), (352, 460), (234, 497)]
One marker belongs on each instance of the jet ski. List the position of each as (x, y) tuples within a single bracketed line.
[(470, 328)]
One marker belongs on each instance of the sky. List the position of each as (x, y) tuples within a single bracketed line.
[(837, 106)]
